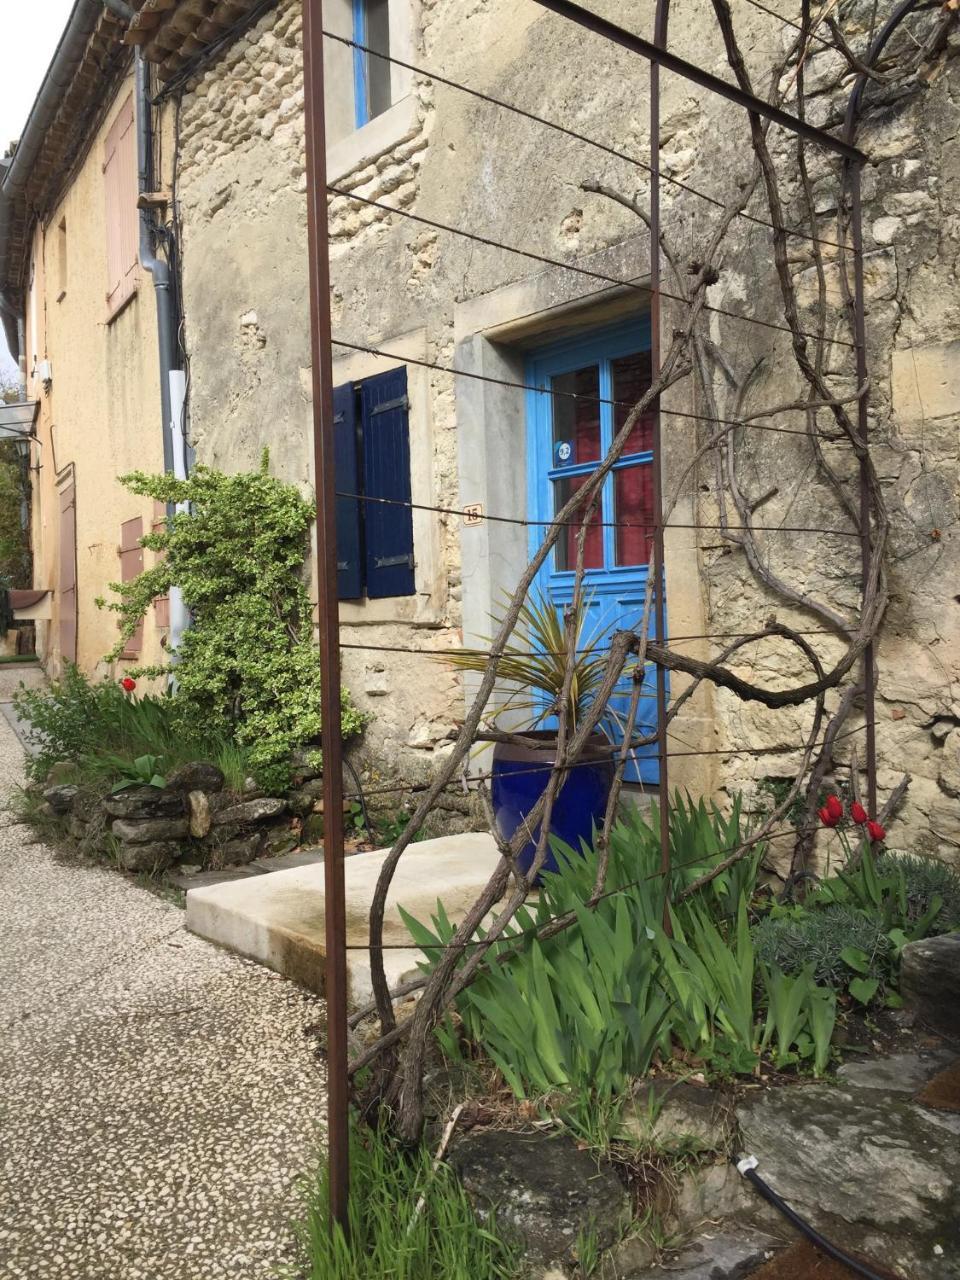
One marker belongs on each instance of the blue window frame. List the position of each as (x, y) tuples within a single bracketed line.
[(371, 75), (581, 391)]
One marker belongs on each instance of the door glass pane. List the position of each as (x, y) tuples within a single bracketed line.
[(576, 423), (566, 549), (631, 378), (633, 504)]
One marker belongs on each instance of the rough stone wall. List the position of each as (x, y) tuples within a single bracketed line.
[(242, 184), (910, 189)]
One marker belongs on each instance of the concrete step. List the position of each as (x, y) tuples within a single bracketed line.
[(279, 918)]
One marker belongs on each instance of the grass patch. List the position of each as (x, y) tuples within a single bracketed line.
[(389, 1235)]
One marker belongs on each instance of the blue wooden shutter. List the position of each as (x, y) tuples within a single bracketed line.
[(349, 546), (386, 474)]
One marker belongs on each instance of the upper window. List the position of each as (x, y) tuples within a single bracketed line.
[(371, 74), (123, 221), (374, 515)]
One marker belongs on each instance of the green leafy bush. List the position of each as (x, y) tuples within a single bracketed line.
[(15, 557), (390, 1232), (814, 939), (925, 880), (247, 668)]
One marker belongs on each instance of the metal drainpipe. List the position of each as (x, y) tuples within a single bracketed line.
[(173, 457)]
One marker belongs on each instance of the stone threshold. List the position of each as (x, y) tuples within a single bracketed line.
[(278, 918), (187, 881)]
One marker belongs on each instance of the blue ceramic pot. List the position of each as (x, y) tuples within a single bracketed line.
[(520, 776)]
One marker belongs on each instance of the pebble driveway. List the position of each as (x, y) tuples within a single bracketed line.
[(159, 1098)]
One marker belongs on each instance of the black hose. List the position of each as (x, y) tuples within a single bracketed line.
[(804, 1227), (363, 802)]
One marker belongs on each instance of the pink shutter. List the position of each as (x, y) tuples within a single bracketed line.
[(67, 574), (122, 221), (131, 566)]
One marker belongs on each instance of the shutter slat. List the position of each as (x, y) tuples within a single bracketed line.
[(122, 220), (347, 478), (131, 566), (386, 474)]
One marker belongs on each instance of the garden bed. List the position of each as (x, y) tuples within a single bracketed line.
[(599, 1079)]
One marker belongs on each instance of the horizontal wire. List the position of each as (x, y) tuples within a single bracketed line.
[(599, 524), (583, 271), (574, 395), (521, 935), (557, 653), (414, 788), (789, 22), (582, 137)]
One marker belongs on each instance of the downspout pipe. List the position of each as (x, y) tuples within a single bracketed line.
[(171, 375), (158, 267)]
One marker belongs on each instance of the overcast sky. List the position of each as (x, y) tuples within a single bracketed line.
[(28, 36)]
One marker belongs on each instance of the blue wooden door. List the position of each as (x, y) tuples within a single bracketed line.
[(585, 388)]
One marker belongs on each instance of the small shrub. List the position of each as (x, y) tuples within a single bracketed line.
[(247, 666), (815, 939), (68, 718), (926, 879), (111, 735), (390, 1234)]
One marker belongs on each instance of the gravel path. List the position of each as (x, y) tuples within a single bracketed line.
[(159, 1098)]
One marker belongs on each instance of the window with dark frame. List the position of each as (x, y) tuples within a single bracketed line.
[(375, 556)]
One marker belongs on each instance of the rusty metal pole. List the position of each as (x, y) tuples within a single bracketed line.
[(863, 425), (659, 615), (335, 981)]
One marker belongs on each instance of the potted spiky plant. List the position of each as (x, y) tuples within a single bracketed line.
[(533, 668)]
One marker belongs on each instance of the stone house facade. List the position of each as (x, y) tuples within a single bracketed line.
[(428, 295), (230, 85)]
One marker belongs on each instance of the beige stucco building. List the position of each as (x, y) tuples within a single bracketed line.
[(89, 344), (415, 302)]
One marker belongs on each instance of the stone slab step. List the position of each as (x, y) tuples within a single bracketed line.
[(205, 879), (278, 918), (287, 861)]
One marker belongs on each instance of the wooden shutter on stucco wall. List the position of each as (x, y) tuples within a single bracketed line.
[(349, 545), (388, 525), (67, 575), (131, 565), (122, 221)]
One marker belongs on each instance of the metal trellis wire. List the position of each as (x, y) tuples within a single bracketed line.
[(658, 55)]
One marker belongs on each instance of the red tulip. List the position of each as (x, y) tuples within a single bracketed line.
[(834, 807), (827, 817), (858, 813), (128, 684), (876, 832)]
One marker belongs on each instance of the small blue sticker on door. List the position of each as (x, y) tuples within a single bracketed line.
[(564, 452)]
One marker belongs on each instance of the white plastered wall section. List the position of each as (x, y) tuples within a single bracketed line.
[(493, 334)]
